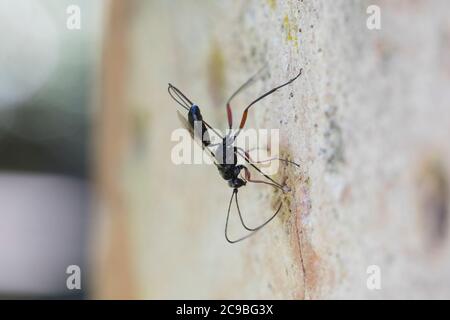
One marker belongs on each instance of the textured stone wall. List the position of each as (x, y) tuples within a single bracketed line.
[(368, 120)]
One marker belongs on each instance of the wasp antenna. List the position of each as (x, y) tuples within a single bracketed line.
[(226, 222), (260, 226), (254, 230)]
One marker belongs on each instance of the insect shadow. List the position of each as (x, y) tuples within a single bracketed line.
[(225, 155)]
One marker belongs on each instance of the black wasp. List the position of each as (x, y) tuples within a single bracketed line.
[(225, 153)]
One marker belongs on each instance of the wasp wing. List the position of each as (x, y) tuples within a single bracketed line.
[(185, 124), (194, 137)]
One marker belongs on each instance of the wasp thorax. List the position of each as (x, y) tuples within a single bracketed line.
[(225, 152)]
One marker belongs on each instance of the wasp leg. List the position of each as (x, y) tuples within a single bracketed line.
[(247, 154), (273, 182), (245, 113), (241, 88), (248, 178)]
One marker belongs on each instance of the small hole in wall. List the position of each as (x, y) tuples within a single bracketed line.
[(433, 197)]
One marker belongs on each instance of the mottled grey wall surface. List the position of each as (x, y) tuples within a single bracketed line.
[(368, 120)]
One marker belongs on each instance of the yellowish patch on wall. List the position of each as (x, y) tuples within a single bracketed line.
[(216, 74), (272, 4), (291, 31)]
